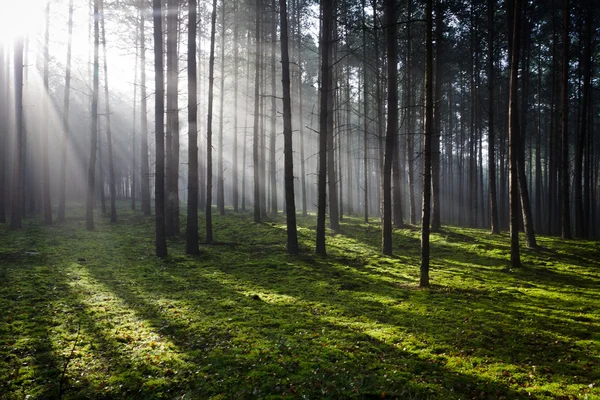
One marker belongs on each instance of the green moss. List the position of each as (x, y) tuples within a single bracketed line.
[(96, 315)]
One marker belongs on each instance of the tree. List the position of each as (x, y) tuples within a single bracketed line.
[(436, 222), (256, 170), (172, 133), (62, 198), (426, 216), (46, 200), (144, 163), (290, 204), (209, 117), (273, 127), (566, 217), (16, 210), (392, 122), (326, 28), (220, 162), (91, 179), (513, 137), (491, 138), (159, 132), (191, 233), (109, 143)]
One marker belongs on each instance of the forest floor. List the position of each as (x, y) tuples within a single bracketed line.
[(95, 315)]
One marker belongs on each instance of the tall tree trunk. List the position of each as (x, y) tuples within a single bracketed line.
[(144, 154), (111, 165), (301, 114), (191, 232), (513, 137), (580, 227), (332, 192), (290, 204), (538, 150), (436, 223), (257, 100), (16, 211), (495, 227), (365, 115), (392, 122), (273, 136), (209, 117), (326, 9), (159, 130), (235, 164), (566, 216), (220, 166), (89, 207), (46, 200), (172, 142), (410, 147), (523, 188), (424, 279), (134, 123)]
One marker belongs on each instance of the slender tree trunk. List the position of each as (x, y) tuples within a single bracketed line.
[(523, 187), (134, 123), (326, 7), (89, 209), (172, 142), (159, 129), (257, 101), (144, 155), (436, 223), (301, 114), (580, 227), (273, 136), (330, 90), (290, 205), (111, 165), (392, 122), (538, 150), (365, 115), (209, 117), (513, 137), (424, 279), (245, 152), (191, 233), (235, 164), (410, 148), (566, 216), (495, 227), (16, 211), (220, 166), (46, 200)]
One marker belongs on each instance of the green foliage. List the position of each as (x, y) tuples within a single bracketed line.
[(96, 315)]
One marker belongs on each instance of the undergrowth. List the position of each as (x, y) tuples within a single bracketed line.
[(97, 315)]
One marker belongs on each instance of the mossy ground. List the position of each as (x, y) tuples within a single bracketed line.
[(96, 315)]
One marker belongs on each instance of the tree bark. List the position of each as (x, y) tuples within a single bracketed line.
[(111, 165), (257, 100), (290, 202), (566, 216), (91, 178), (144, 155), (495, 227), (425, 219), (191, 232), (209, 117), (392, 122), (46, 200), (273, 121), (513, 137), (436, 223), (326, 7), (220, 162), (172, 138), (159, 130)]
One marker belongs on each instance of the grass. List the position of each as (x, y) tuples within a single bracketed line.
[(96, 315)]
